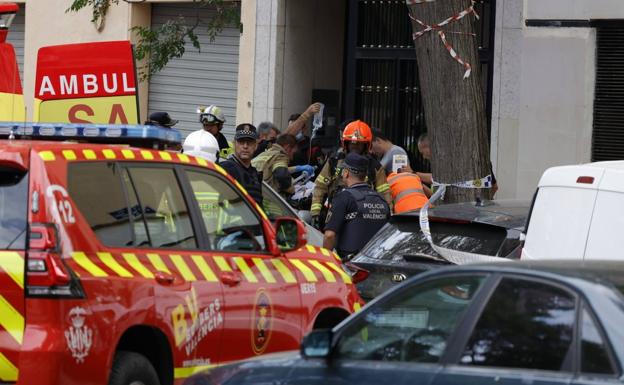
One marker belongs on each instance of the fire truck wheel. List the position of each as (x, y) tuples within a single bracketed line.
[(131, 368)]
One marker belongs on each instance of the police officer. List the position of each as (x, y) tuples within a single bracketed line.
[(356, 213), (356, 137), (238, 164)]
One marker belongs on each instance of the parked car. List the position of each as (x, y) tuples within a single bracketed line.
[(577, 213), (275, 206), (400, 250), (498, 323)]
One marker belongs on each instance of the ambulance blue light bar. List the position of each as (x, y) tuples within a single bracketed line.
[(139, 135)]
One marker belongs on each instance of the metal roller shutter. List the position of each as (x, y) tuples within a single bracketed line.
[(197, 78), (608, 134), (16, 37)]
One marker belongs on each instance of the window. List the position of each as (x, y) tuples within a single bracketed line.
[(96, 189), (230, 223), (401, 239), (13, 208), (273, 206), (594, 355), (163, 208), (525, 324), (414, 325)]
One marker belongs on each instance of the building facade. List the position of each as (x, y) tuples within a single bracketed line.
[(552, 70)]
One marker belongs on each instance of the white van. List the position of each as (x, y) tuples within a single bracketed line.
[(578, 213)]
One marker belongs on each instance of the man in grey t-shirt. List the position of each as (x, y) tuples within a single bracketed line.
[(392, 157)]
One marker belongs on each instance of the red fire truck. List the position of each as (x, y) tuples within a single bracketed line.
[(132, 265)]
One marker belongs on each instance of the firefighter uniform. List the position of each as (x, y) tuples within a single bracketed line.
[(329, 182), (357, 212), (273, 165)]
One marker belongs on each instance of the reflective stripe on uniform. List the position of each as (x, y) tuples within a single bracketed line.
[(407, 192), (383, 188), (316, 206)]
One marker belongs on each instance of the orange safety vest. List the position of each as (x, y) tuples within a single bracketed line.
[(407, 192)]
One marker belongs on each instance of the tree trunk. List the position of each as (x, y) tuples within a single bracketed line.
[(454, 107)]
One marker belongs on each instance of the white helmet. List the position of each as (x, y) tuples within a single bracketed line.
[(201, 144), (210, 114)]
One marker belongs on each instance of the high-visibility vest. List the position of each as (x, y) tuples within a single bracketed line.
[(407, 192)]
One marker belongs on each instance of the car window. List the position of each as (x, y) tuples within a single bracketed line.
[(231, 224), (13, 208), (88, 184), (525, 324), (412, 326), (163, 208), (403, 239), (273, 205), (594, 353)]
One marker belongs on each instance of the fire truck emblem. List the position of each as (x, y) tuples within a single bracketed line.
[(79, 336), (261, 322)]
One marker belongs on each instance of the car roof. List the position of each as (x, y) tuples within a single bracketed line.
[(508, 214), (607, 271)]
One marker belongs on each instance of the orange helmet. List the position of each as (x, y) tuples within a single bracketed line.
[(357, 131)]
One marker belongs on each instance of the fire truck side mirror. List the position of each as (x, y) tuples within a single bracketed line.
[(290, 232)]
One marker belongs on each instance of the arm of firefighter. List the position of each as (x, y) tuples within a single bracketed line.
[(382, 186), (295, 127), (329, 239), (321, 186)]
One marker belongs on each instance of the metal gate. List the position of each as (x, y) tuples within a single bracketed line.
[(381, 78), (16, 37), (197, 78), (608, 130)]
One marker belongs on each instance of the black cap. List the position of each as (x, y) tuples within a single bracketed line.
[(356, 163), (246, 131), (162, 119)]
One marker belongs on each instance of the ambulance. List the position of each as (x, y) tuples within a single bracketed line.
[(136, 265)]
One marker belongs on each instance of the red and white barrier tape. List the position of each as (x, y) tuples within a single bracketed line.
[(441, 32)]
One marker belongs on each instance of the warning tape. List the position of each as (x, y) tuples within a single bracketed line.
[(441, 33), (453, 256)]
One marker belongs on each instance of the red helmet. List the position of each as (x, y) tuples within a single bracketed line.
[(357, 131)]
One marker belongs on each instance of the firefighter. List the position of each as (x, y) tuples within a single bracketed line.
[(202, 144), (273, 164), (356, 137), (357, 212), (212, 119)]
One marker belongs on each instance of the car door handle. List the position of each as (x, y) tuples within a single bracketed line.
[(164, 278), (230, 278)]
